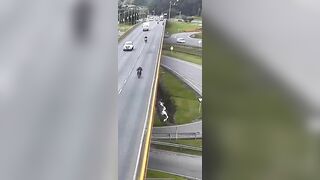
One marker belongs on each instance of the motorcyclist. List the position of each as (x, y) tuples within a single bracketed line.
[(145, 39), (139, 71)]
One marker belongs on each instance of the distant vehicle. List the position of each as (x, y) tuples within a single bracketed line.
[(145, 26), (165, 15), (139, 72), (151, 18), (128, 46), (181, 40), (161, 18)]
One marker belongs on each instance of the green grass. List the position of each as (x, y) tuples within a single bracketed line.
[(190, 142), (159, 174), (177, 149), (183, 56), (252, 125), (197, 51), (176, 27), (156, 120), (124, 27), (185, 99)]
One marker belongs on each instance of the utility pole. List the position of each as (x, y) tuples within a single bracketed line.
[(170, 10)]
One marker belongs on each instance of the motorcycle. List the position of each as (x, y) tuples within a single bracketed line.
[(145, 39), (139, 74)]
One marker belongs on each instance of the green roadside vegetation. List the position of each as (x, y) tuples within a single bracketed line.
[(156, 119), (182, 96), (189, 142), (256, 129), (197, 51), (159, 174), (177, 27), (124, 27), (183, 56), (177, 149), (186, 53)]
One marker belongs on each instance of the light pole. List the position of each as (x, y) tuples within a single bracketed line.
[(170, 10), (170, 7), (200, 101)]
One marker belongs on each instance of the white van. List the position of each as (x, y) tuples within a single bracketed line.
[(145, 26)]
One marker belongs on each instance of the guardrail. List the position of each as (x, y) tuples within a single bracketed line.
[(197, 51), (176, 145), (173, 135)]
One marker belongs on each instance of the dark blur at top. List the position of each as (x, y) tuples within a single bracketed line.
[(261, 89), (57, 79), (157, 7), (82, 19)]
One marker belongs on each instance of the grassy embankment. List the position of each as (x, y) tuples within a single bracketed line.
[(159, 174), (182, 96), (177, 27)]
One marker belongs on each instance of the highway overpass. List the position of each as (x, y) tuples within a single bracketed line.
[(136, 98)]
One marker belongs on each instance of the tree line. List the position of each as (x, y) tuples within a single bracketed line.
[(183, 7)]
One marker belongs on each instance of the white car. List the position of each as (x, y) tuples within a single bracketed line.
[(181, 40), (145, 26), (128, 46)]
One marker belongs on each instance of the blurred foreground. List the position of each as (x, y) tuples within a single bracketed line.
[(261, 90), (57, 59)]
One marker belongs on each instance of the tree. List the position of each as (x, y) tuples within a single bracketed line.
[(187, 7)]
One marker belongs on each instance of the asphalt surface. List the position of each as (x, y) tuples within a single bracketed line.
[(186, 35), (134, 95), (176, 163), (190, 130), (190, 73)]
